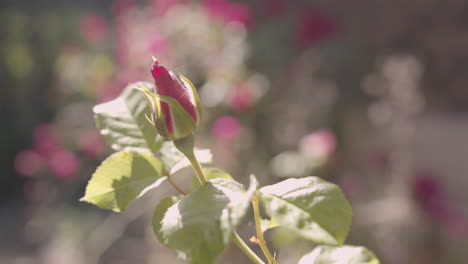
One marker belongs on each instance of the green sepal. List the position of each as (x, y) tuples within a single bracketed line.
[(184, 125), (194, 95)]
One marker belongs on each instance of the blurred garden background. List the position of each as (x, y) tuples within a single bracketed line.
[(371, 95)]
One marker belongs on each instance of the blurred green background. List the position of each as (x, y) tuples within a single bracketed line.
[(371, 95)]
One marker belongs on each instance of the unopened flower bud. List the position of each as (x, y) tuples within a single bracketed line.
[(176, 109)]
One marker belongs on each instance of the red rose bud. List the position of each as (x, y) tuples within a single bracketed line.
[(176, 109)]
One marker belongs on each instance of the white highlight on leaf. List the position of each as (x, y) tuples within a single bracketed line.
[(203, 156), (339, 255), (115, 107), (152, 186)]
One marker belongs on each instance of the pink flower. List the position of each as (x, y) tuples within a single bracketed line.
[(161, 6), (381, 158), (91, 143), (28, 163), (121, 7), (93, 28), (426, 187), (46, 139), (352, 184), (456, 225), (157, 44), (318, 145), (228, 11), (64, 165), (436, 203), (313, 28), (226, 128), (241, 98)]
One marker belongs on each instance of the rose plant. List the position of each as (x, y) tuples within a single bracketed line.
[(155, 139)]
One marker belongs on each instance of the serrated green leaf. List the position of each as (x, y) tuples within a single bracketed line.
[(174, 160), (339, 255), (123, 123), (282, 237), (200, 225), (313, 208), (121, 178), (161, 210), (210, 174)]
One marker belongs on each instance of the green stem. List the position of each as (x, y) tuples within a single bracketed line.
[(258, 227), (236, 238), (197, 167), (186, 146), (241, 244)]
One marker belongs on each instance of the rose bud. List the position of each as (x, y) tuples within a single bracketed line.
[(175, 107)]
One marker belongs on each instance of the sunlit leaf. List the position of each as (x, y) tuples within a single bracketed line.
[(123, 123), (339, 255), (121, 178), (313, 208), (200, 225)]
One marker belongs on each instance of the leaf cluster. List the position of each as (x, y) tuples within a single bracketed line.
[(201, 224)]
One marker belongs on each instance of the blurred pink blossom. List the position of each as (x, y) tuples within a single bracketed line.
[(64, 164), (457, 225), (380, 157), (122, 47), (226, 128), (428, 191), (28, 162), (129, 75), (228, 11), (93, 28), (121, 7), (108, 91), (152, 40), (157, 45), (161, 6), (318, 145), (241, 98), (426, 187), (46, 139), (91, 143), (313, 28), (435, 202), (352, 184)]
